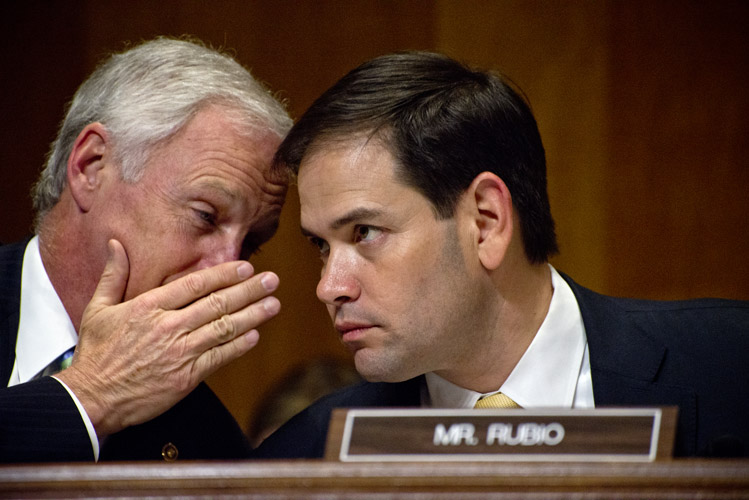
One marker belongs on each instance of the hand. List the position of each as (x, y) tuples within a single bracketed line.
[(136, 359)]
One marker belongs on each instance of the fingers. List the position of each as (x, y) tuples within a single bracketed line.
[(225, 353), (114, 278), (227, 314), (132, 355), (231, 326), (195, 285)]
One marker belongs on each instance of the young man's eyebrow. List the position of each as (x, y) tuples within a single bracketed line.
[(356, 215)]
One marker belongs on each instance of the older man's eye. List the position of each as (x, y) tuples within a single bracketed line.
[(207, 217)]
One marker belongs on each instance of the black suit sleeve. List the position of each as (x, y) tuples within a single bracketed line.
[(39, 422)]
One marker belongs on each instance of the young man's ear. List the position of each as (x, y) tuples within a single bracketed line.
[(490, 206), (85, 164)]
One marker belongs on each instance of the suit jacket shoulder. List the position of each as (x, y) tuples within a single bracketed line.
[(690, 354), (305, 435)]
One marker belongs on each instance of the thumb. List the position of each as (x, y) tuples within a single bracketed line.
[(113, 281)]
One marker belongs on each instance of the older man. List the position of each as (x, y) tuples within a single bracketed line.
[(423, 184), (159, 183)]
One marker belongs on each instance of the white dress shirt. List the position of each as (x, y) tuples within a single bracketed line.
[(44, 329), (553, 372)]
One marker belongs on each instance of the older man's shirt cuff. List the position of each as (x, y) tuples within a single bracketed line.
[(86, 420)]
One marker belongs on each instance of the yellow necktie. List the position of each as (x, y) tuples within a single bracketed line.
[(496, 400)]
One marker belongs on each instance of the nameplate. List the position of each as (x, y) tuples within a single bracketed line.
[(595, 435)]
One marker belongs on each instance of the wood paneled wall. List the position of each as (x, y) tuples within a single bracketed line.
[(642, 107)]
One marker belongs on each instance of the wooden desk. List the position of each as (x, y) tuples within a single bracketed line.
[(319, 479)]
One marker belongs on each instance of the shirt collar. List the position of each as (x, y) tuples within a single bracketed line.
[(547, 373), (44, 327)]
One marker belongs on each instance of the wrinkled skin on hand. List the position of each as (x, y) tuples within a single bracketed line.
[(136, 359)]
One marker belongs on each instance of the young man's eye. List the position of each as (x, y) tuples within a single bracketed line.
[(321, 245), (366, 233)]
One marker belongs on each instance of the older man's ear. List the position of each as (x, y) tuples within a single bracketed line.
[(86, 164)]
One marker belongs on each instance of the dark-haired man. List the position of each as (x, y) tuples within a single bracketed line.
[(423, 184)]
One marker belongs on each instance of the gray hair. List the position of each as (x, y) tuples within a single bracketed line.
[(145, 95)]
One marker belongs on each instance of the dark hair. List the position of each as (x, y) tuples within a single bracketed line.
[(444, 124)]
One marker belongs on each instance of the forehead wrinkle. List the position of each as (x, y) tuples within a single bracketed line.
[(221, 187)]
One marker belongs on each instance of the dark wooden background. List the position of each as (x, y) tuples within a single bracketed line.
[(642, 106)]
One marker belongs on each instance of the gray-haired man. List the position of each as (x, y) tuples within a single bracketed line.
[(156, 188)]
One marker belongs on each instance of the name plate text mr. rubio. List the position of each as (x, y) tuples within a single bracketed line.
[(604, 434)]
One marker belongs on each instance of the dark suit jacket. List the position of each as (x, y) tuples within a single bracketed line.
[(690, 354), (40, 422)]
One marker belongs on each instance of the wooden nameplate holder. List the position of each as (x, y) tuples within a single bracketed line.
[(413, 435)]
